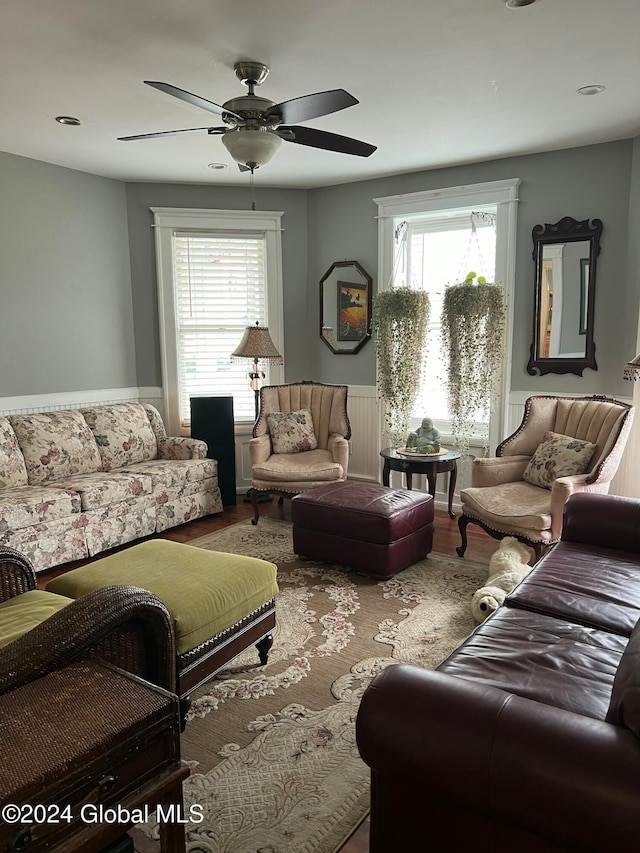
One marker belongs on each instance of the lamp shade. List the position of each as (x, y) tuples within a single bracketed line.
[(632, 369), (256, 343)]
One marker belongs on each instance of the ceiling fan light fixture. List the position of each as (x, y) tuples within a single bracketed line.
[(251, 148)]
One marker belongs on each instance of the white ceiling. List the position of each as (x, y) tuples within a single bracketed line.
[(440, 82)]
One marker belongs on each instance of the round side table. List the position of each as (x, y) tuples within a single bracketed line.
[(429, 465)]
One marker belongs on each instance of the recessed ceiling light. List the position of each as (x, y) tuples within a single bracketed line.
[(516, 4), (216, 165), (590, 90), (68, 120)]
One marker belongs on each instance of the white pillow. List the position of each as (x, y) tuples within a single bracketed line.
[(558, 456), (291, 432)]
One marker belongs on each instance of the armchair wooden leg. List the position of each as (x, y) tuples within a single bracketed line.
[(462, 525), (255, 505)]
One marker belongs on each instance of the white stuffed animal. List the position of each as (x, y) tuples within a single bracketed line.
[(507, 567)]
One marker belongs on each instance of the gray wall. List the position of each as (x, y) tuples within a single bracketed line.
[(66, 321), (628, 304), (141, 197), (77, 266), (585, 183)]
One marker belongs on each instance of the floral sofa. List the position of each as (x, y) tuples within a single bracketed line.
[(76, 482)]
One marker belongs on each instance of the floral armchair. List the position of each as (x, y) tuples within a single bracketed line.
[(300, 439), (563, 445)]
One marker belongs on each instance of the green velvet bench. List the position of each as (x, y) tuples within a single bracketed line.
[(220, 604)]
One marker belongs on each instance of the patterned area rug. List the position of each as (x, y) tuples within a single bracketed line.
[(274, 763)]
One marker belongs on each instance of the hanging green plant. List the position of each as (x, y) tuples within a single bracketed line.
[(473, 316), (399, 321)]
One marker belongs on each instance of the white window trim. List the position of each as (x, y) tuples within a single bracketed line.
[(504, 194), (166, 220)]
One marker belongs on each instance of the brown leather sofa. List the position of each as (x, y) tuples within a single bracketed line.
[(527, 737)]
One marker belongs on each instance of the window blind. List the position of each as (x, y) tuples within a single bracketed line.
[(220, 287)]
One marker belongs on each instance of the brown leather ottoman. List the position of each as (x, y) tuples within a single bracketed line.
[(363, 525)]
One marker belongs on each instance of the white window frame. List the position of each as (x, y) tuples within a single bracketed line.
[(168, 220), (504, 195)]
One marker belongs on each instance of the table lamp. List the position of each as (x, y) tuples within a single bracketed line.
[(256, 344)]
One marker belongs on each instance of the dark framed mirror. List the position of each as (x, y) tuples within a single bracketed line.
[(345, 307), (564, 256)]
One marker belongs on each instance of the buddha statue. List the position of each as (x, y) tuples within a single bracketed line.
[(426, 439)]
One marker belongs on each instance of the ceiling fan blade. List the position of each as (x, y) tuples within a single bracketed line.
[(329, 141), (190, 98), (312, 106), (171, 133)]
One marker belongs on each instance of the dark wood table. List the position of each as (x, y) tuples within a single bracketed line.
[(431, 466)]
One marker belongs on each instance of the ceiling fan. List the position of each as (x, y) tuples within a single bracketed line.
[(254, 126)]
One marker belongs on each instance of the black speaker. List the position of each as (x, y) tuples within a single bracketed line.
[(212, 421)]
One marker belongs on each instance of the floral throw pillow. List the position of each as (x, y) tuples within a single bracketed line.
[(558, 456), (291, 432)]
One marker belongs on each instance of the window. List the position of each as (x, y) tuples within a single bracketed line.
[(437, 252), (424, 239), (218, 272)]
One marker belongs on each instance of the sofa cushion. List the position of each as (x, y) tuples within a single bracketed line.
[(173, 474), (13, 471), (25, 506), (55, 445), (24, 612), (99, 490), (548, 660), (292, 432), (558, 456), (624, 709), (589, 584), (123, 434)]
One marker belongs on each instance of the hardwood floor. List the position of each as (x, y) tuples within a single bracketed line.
[(446, 539)]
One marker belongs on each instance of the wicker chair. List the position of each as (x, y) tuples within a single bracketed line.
[(41, 631), (288, 474), (503, 503)]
